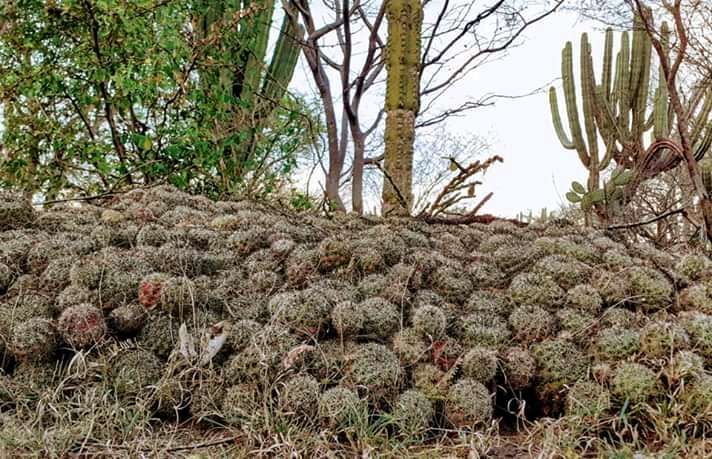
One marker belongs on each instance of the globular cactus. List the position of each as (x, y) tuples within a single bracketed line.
[(615, 110), (405, 18)]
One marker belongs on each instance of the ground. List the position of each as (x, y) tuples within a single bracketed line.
[(161, 324)]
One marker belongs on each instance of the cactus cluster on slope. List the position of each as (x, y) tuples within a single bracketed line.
[(433, 332)]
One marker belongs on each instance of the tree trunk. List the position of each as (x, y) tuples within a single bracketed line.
[(357, 171)]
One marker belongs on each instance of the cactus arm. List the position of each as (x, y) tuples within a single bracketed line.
[(642, 86), (616, 91), (606, 118), (624, 87), (258, 32), (703, 118), (607, 65), (282, 65), (567, 73), (703, 147), (588, 91), (556, 118), (660, 128)]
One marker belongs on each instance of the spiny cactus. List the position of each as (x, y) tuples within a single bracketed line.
[(405, 18), (615, 110)]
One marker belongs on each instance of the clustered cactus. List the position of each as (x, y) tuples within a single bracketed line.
[(310, 328)]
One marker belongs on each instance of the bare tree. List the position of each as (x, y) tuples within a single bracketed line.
[(346, 47), (670, 64)]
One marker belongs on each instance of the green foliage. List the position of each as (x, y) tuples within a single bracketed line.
[(99, 95)]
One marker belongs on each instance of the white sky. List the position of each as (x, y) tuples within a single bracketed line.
[(537, 171)]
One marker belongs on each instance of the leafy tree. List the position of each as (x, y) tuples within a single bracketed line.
[(99, 95)]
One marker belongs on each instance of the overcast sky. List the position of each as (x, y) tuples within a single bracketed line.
[(537, 171)]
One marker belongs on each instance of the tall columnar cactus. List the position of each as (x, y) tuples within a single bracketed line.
[(616, 115), (254, 86), (405, 18)]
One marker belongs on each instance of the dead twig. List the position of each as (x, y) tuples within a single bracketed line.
[(460, 188)]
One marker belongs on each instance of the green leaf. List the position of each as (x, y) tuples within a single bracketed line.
[(147, 143)]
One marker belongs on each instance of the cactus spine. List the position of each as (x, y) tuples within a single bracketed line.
[(615, 112), (405, 19)]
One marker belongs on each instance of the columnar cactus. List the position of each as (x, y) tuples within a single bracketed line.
[(615, 110), (405, 18), (257, 84)]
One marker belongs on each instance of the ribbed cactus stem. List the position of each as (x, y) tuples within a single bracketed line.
[(607, 77), (624, 86), (254, 36), (405, 19), (282, 66), (567, 75), (588, 93)]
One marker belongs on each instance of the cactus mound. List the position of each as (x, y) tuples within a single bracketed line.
[(236, 314)]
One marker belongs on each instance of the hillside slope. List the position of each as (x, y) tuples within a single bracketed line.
[(167, 324)]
